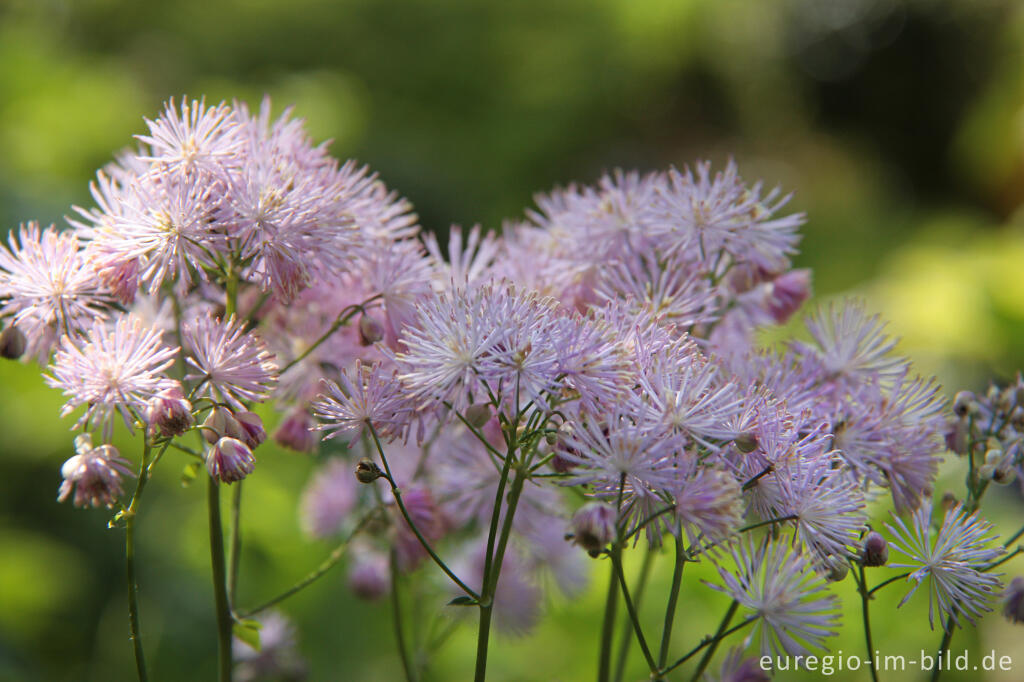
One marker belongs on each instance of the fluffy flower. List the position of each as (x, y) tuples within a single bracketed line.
[(951, 563), (277, 656), (775, 582), (112, 368), (328, 499), (192, 138), (233, 364), (370, 395)]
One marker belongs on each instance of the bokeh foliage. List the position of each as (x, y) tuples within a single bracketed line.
[(899, 123)]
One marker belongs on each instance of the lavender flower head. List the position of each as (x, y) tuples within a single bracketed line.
[(233, 364)]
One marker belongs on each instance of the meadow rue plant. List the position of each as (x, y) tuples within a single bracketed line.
[(586, 382)]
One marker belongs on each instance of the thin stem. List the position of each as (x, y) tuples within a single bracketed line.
[(673, 598), (235, 541), (886, 582), (491, 585), (330, 562), (344, 316), (947, 635), (715, 641), (220, 592), (989, 567), (396, 492), (646, 522), (396, 613), (616, 556), (709, 640), (135, 632), (865, 597), (1013, 538), (607, 628), (627, 628)]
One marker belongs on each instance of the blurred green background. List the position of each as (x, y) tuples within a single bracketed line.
[(899, 124)]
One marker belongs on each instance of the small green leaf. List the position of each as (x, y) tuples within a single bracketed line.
[(249, 632), (464, 600), (189, 473)]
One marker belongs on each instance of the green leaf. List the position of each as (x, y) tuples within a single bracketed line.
[(464, 600), (248, 631)]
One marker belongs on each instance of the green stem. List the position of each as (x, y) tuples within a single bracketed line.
[(330, 562), (397, 494), (616, 556), (135, 632), (1013, 538), (491, 585), (715, 641), (947, 635), (711, 639), (673, 598), (607, 628), (865, 597), (220, 592), (886, 582), (396, 613), (627, 628), (343, 317)]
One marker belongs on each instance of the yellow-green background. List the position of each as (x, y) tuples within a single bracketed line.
[(899, 124)]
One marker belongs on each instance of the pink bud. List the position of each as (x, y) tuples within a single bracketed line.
[(593, 527), (296, 432), (170, 413), (251, 428), (788, 292), (229, 460)]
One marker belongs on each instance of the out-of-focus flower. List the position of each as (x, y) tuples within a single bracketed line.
[(708, 503), (369, 575), (278, 656), (297, 431), (593, 526), (788, 292), (774, 581), (233, 364), (112, 368), (1013, 604), (94, 474), (951, 564), (229, 460), (328, 499), (739, 668), (429, 521)]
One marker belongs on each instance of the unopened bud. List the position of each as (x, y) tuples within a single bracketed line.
[(837, 570), (1004, 475), (876, 550), (169, 413), (746, 442), (993, 456), (962, 403), (593, 527), (788, 292), (251, 428), (478, 414), (367, 471), (370, 330), (221, 423), (948, 501), (229, 460), (956, 438), (12, 343), (986, 472), (296, 432)]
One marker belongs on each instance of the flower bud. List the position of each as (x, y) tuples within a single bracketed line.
[(962, 403), (169, 413), (369, 576), (251, 428), (367, 471), (593, 527), (221, 423), (956, 438), (478, 414), (986, 472), (948, 501), (875, 551), (746, 442), (296, 432), (12, 343), (1004, 474), (229, 460), (1013, 608), (837, 570), (94, 474), (370, 330), (788, 292)]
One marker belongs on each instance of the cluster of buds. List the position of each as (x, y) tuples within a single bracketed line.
[(233, 435), (990, 428)]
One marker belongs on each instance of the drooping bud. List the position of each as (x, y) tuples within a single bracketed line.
[(1004, 474), (367, 471), (875, 551), (229, 460), (962, 403), (788, 292), (478, 414), (251, 428), (593, 527), (221, 423), (370, 330), (94, 474), (1013, 608), (837, 570), (369, 576), (295, 432), (169, 413), (12, 343)]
